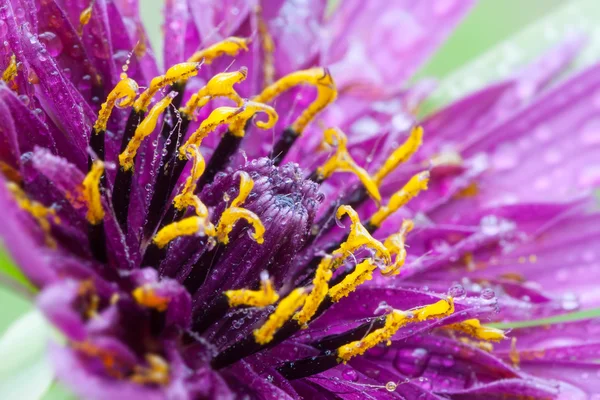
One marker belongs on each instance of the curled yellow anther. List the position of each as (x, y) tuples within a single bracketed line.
[(268, 48), (145, 128), (414, 186), (248, 110), (318, 77), (84, 17), (220, 85), (230, 47), (233, 213), (10, 72), (39, 212), (263, 297), (195, 225), (473, 327), (187, 198), (156, 373), (123, 95), (393, 322), (342, 161), (362, 272), (359, 237), (91, 193), (395, 245), (285, 309), (147, 297), (401, 154), (318, 292), (219, 116), (177, 73)]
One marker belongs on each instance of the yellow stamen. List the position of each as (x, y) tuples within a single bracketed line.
[(514, 356), (318, 77), (414, 186), (187, 198), (178, 72), (395, 245), (485, 346), (123, 95), (268, 48), (195, 225), (39, 212), (220, 85), (147, 297), (84, 17), (91, 193), (219, 116), (249, 109), (10, 72), (157, 371), (393, 322), (263, 297), (342, 161), (318, 292), (401, 154), (358, 237), (10, 173), (230, 47), (145, 128), (362, 272), (473, 327), (282, 313), (234, 213)]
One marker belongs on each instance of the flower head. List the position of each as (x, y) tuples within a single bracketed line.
[(181, 226)]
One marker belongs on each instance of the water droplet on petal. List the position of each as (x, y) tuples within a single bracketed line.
[(457, 291), (52, 42), (487, 294), (350, 375)]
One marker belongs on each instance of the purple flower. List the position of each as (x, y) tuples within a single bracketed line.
[(181, 227)]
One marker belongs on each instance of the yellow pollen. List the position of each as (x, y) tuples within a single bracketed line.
[(473, 327), (123, 95), (10, 173), (268, 48), (263, 297), (187, 198), (234, 213), (395, 245), (285, 309), (91, 193), (230, 47), (248, 110), (358, 237), (195, 225), (485, 346), (318, 77), (220, 85), (219, 116), (177, 73), (362, 272), (393, 322), (318, 292), (414, 186), (514, 356), (147, 297), (342, 161), (401, 154), (10, 72), (157, 371), (84, 17), (145, 128), (40, 213)]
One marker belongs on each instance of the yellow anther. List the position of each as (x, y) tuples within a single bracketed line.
[(263, 297), (285, 309), (219, 116), (318, 292), (85, 16), (234, 213), (358, 237), (228, 47), (473, 327), (195, 225), (187, 198), (10, 173), (147, 297), (123, 95), (401, 154), (145, 128), (268, 48), (177, 73), (10, 72), (248, 110), (91, 193), (362, 272), (414, 186), (220, 85), (156, 373), (395, 245), (318, 77), (393, 322), (342, 161), (39, 212)]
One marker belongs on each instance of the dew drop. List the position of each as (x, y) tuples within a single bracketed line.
[(487, 294), (457, 291), (52, 42), (391, 386), (350, 375)]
